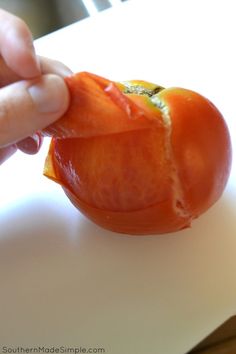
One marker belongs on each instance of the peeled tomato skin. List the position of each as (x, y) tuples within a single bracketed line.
[(98, 107)]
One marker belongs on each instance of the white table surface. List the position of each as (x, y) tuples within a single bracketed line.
[(66, 282)]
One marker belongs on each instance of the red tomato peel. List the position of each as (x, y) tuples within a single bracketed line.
[(137, 158)]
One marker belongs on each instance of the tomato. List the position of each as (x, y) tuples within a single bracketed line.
[(137, 158)]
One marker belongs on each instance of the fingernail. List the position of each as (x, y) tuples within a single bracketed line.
[(49, 94), (31, 144)]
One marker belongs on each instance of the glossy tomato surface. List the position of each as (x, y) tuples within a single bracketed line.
[(137, 158)]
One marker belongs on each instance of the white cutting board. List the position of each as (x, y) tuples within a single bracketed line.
[(66, 282)]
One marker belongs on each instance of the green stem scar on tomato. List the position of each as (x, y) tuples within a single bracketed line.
[(137, 158)]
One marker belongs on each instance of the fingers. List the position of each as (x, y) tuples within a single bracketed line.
[(50, 66), (37, 103), (16, 46), (7, 152), (7, 76), (47, 66), (26, 106), (31, 144)]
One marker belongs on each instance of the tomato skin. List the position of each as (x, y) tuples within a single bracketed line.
[(98, 107), (201, 147), (150, 174)]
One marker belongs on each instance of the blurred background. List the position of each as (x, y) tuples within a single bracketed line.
[(45, 16)]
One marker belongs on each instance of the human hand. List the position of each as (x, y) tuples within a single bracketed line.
[(32, 90)]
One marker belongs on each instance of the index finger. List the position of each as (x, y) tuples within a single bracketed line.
[(16, 46)]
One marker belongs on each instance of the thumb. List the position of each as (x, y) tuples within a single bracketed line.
[(31, 105)]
